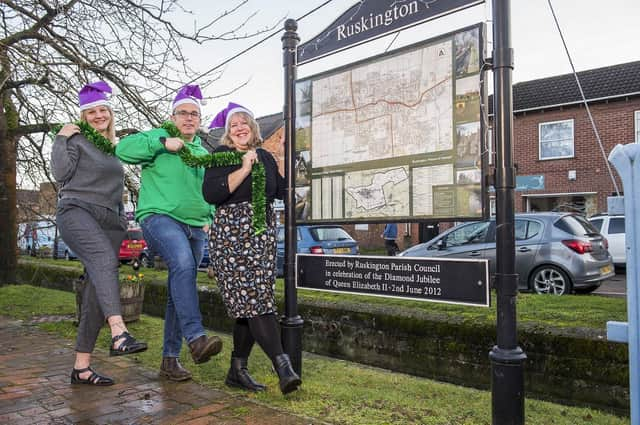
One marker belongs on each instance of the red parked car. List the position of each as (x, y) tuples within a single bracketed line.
[(132, 245)]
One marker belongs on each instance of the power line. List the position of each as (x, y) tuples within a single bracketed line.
[(584, 100), (255, 44), (391, 43)]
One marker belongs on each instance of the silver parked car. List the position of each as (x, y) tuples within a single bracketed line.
[(556, 253)]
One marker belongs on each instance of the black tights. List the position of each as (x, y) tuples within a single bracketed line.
[(261, 329)]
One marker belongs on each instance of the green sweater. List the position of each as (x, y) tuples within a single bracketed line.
[(168, 185)]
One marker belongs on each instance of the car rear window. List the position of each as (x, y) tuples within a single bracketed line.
[(134, 234), (597, 224), (576, 225), (329, 234)]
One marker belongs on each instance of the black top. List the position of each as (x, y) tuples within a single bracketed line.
[(215, 187)]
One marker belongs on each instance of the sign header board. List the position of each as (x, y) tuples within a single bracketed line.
[(452, 281), (371, 19)]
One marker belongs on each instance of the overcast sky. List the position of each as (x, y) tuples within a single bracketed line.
[(597, 34)]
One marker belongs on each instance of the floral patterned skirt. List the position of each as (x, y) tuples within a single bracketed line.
[(244, 264)]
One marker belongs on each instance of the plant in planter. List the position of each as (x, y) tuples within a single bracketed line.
[(131, 295)]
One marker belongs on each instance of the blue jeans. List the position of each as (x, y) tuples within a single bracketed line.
[(181, 247)]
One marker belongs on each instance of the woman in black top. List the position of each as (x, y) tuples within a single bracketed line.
[(244, 260)]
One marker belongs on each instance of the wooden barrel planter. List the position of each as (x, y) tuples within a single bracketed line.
[(131, 299)]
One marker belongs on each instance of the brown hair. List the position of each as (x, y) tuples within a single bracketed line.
[(255, 131), (111, 129)]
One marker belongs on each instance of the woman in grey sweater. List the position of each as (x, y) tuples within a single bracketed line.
[(90, 220)]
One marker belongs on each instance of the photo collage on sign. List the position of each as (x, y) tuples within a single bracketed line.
[(467, 118), (303, 150)]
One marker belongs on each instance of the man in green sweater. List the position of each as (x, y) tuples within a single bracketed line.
[(173, 216)]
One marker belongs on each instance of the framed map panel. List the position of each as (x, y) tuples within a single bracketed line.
[(397, 137)]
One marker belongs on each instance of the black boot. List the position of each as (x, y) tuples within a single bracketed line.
[(289, 379), (239, 377)]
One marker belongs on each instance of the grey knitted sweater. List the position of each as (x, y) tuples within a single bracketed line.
[(86, 173)]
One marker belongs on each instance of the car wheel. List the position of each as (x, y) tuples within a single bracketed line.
[(135, 264), (67, 256), (550, 280), (144, 261)]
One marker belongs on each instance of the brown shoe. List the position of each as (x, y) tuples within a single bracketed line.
[(202, 348), (173, 370)]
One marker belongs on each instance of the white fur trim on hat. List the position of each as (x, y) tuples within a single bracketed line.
[(190, 100), (100, 102), (235, 110)]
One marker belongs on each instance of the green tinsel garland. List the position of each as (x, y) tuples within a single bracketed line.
[(92, 135), (225, 159), (219, 159)]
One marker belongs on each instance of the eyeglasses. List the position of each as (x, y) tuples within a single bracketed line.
[(185, 114)]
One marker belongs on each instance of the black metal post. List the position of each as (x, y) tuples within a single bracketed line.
[(291, 323), (507, 358)]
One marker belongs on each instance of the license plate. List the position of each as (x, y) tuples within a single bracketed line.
[(605, 269), (342, 250), (134, 246)]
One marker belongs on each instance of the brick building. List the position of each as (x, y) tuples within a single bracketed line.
[(559, 161)]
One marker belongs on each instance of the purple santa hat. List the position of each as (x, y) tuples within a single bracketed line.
[(188, 94), (94, 94), (222, 119)]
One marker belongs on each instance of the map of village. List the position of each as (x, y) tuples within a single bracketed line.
[(383, 133)]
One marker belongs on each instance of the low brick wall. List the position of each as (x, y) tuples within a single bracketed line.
[(575, 366)]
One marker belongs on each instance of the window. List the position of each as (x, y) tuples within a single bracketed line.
[(616, 225), (576, 225), (134, 234), (556, 139), (526, 229), (597, 224), (329, 234), (471, 233), (637, 121)]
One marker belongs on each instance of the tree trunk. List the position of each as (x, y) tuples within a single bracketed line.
[(8, 209), (8, 213)]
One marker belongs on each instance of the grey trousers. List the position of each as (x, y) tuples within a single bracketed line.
[(94, 233)]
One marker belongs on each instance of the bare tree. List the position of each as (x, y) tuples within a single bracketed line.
[(50, 48)]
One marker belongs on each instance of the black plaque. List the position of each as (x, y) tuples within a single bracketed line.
[(371, 19), (453, 281)]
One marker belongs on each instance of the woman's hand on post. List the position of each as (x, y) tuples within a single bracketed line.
[(69, 130)]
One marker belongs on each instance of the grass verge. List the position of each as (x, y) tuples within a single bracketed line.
[(335, 391)]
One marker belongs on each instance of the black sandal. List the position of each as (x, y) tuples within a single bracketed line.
[(94, 379), (128, 346)]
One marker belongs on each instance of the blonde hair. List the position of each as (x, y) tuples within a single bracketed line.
[(255, 131), (111, 129)]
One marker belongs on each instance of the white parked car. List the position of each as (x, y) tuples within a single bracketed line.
[(612, 227)]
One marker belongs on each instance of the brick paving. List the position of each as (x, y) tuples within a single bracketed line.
[(35, 389)]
